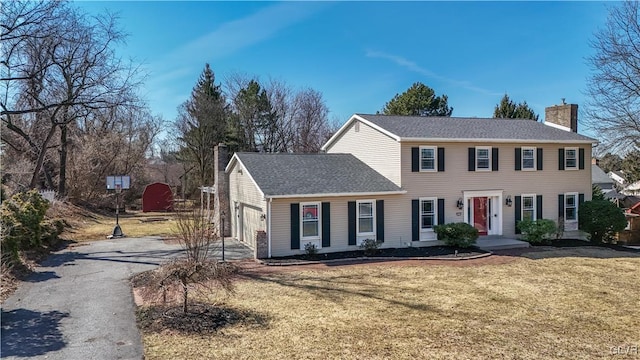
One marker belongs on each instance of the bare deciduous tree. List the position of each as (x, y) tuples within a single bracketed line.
[(613, 110)]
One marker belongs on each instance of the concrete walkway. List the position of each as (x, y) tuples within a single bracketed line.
[(491, 243)]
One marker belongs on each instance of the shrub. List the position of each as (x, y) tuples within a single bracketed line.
[(457, 234), (370, 246), (310, 249), (602, 219), (538, 231), (22, 222)]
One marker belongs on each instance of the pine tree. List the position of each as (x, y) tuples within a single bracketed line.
[(418, 100), (507, 109)]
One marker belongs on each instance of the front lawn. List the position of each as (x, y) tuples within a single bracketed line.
[(562, 304)]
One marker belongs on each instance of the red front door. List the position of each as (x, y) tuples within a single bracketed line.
[(480, 214)]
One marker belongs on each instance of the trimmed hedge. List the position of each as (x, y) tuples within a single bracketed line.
[(457, 234), (537, 231)]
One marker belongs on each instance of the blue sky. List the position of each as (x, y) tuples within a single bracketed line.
[(360, 54)]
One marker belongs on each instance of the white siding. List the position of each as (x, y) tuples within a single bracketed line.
[(456, 179), (372, 147), (397, 219), (247, 204)]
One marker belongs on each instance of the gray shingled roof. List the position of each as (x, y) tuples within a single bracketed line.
[(598, 176), (305, 174), (471, 128)]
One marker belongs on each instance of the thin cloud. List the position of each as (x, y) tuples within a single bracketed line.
[(238, 34), (412, 66)]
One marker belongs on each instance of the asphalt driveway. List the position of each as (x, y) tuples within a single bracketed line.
[(78, 304)]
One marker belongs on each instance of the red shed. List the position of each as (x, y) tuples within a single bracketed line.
[(157, 197)]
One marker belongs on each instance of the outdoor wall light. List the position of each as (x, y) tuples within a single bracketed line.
[(508, 202), (263, 216), (460, 204)]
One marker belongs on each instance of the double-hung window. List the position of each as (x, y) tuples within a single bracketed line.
[(529, 207), (310, 220), (571, 158), (428, 214), (366, 217), (428, 158), (570, 207), (528, 158), (483, 159)]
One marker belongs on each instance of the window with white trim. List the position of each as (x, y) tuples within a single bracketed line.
[(571, 158), (529, 207), (528, 158), (570, 207), (483, 159), (428, 214), (366, 217), (310, 220), (428, 158)]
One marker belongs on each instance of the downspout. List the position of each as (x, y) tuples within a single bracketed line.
[(269, 226)]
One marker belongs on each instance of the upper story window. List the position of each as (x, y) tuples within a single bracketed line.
[(310, 220), (483, 159), (428, 158), (529, 158), (366, 217), (571, 158)]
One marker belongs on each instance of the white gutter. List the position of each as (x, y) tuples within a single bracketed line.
[(481, 140), (269, 227), (399, 192)]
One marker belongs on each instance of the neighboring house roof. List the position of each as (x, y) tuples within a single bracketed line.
[(631, 202), (598, 176), (633, 188), (420, 128), (617, 176), (306, 175)]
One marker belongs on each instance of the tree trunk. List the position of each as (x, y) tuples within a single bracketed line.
[(41, 153), (62, 176)]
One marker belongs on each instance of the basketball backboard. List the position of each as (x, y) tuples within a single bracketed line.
[(121, 181)]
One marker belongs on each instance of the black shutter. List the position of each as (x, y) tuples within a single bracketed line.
[(560, 206), (440, 159), (539, 207), (518, 159), (440, 211), (472, 159), (518, 214), (380, 220), (326, 224), (494, 159), (295, 226), (415, 220), (352, 222), (581, 158), (561, 159), (580, 198), (539, 158), (415, 159)]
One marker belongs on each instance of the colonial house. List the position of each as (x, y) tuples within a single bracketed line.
[(392, 178)]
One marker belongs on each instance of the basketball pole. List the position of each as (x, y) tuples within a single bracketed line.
[(117, 231)]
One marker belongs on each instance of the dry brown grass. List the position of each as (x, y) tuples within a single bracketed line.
[(552, 307), (94, 226)]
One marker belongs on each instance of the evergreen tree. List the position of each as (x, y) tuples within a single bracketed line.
[(631, 166), (507, 109), (203, 122), (418, 100)]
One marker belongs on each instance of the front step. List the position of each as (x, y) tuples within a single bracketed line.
[(499, 243)]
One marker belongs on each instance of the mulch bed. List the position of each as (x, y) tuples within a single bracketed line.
[(569, 243), (201, 318), (431, 252)]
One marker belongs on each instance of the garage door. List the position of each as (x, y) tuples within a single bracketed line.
[(251, 223)]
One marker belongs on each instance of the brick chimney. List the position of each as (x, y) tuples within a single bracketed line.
[(221, 204), (564, 116)]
